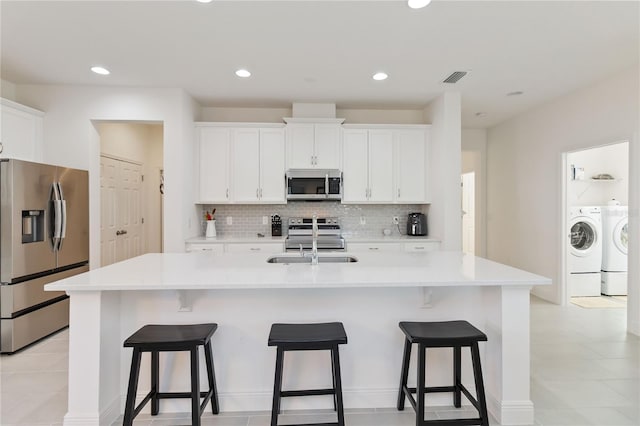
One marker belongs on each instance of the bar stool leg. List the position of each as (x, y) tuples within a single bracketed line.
[(155, 386), (336, 359), (457, 381), (477, 374), (404, 373), (277, 388), (133, 388), (211, 374), (195, 388), (333, 375), (420, 385)]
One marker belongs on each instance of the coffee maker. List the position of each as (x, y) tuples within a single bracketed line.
[(417, 224)]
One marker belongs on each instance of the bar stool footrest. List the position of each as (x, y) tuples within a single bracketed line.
[(452, 422), (311, 392)]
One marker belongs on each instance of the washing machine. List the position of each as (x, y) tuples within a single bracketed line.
[(585, 251), (615, 245)]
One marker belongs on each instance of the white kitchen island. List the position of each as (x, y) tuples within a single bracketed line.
[(244, 295)]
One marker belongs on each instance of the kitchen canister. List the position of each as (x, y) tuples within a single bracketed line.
[(211, 229)]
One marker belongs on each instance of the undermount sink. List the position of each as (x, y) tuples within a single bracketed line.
[(321, 259)]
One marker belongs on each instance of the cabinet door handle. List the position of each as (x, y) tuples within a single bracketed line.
[(419, 248), (257, 193), (254, 248), (260, 192), (374, 248), (227, 193), (398, 192)]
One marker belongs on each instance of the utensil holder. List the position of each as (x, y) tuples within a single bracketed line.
[(211, 229)]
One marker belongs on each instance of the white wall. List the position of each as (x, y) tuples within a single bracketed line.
[(474, 159), (275, 115), (611, 159), (7, 90), (445, 218), (524, 164), (71, 139)]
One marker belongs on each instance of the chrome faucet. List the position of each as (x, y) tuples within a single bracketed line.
[(314, 246)]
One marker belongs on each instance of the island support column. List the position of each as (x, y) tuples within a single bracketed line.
[(94, 358), (507, 357)]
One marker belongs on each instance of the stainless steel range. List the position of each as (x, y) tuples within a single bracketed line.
[(300, 233)]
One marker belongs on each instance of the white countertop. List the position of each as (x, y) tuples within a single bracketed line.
[(188, 271)]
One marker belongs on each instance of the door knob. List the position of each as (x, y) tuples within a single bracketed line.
[(121, 232)]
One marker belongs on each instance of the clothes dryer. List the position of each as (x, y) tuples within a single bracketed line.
[(614, 250), (585, 250)]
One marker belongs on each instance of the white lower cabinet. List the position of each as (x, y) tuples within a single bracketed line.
[(254, 247), (212, 247), (373, 247), (422, 246)]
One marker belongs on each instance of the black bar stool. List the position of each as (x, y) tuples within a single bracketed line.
[(171, 338), (450, 334), (308, 337)]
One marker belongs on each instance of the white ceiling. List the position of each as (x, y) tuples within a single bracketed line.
[(326, 51)]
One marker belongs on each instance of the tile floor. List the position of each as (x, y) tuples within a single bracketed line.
[(585, 370)]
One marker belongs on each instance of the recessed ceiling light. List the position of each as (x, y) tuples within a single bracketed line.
[(379, 76), (481, 114), (100, 70), (204, 1), (516, 93), (243, 73), (418, 4)]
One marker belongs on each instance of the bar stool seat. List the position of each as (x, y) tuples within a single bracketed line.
[(308, 337), (156, 338), (453, 334)]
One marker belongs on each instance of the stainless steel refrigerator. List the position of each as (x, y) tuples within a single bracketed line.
[(44, 237)]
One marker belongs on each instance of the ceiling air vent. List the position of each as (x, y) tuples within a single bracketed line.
[(455, 77)]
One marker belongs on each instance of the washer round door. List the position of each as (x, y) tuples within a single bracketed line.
[(584, 236), (621, 235)]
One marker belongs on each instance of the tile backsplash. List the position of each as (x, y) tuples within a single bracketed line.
[(247, 219)]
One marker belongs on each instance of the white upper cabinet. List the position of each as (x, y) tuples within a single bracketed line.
[(20, 131), (411, 147), (214, 143), (385, 165), (313, 145), (272, 183), (245, 156), (241, 164), (368, 166)]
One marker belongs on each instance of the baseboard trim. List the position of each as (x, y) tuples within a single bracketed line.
[(515, 412)]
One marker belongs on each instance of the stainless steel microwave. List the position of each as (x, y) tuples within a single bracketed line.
[(314, 184)]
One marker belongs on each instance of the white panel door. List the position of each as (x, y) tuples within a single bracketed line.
[(120, 207), (108, 204), (246, 165), (129, 242), (380, 166), (300, 137), (327, 146), (214, 164), (355, 169), (272, 168), (410, 165)]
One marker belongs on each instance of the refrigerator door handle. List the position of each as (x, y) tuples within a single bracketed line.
[(57, 216), (63, 226)]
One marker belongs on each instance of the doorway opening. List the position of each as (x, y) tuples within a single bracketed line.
[(468, 212), (131, 186), (596, 196)]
